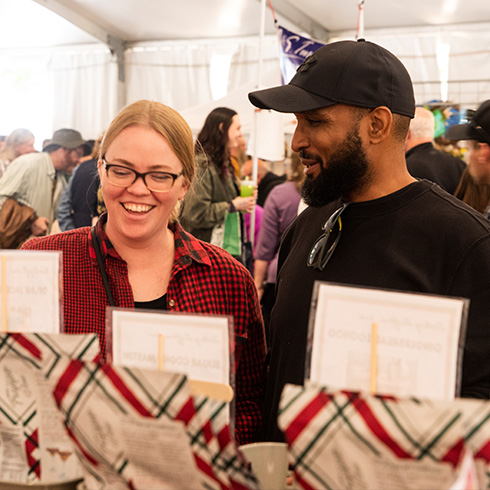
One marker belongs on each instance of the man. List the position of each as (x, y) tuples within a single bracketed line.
[(31, 187), (353, 102), (477, 132), (424, 161)]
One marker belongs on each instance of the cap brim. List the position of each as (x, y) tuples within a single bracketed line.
[(51, 147), (72, 145), (288, 98), (461, 132)]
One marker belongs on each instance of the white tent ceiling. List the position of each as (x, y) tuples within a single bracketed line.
[(30, 23), (129, 25)]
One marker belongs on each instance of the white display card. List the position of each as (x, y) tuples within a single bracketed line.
[(386, 342), (30, 291), (196, 345)]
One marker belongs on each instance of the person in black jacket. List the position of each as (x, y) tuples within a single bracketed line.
[(424, 161)]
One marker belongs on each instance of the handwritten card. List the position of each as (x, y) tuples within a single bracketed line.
[(196, 345), (33, 440), (168, 460), (13, 459), (412, 339), (30, 291)]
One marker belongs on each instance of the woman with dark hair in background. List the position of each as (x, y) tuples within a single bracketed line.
[(472, 193), (216, 189)]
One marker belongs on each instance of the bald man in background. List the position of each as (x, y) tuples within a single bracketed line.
[(424, 161)]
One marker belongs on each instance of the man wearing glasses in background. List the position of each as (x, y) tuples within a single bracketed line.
[(369, 222), (31, 187)]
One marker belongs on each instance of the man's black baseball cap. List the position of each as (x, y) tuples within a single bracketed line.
[(477, 128), (357, 73)]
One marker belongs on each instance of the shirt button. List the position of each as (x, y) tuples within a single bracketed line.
[(171, 302)]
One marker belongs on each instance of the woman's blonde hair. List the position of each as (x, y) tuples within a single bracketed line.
[(165, 121)]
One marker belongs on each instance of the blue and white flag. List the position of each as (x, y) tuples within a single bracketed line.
[(294, 50)]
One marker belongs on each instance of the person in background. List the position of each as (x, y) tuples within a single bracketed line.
[(31, 187), (78, 204), (266, 180), (281, 209), (145, 166), (368, 223), (216, 190), (19, 142), (477, 133), (475, 195), (424, 161)]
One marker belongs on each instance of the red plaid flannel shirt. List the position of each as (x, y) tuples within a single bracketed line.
[(205, 279)]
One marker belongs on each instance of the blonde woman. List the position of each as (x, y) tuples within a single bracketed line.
[(146, 166)]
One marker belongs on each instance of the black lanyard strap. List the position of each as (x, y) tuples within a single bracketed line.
[(103, 273)]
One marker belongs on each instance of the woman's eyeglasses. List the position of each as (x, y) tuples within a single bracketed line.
[(324, 247), (124, 177)]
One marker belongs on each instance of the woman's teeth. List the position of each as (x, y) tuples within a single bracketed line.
[(137, 208)]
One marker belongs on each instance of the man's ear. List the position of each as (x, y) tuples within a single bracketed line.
[(380, 124)]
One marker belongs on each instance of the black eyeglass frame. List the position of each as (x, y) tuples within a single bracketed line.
[(319, 254), (137, 175)]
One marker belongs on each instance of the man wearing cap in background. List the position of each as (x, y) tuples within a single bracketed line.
[(353, 102), (477, 132), (31, 187)]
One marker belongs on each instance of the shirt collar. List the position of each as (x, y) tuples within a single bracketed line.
[(188, 248)]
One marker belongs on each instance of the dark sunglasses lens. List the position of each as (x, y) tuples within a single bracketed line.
[(330, 244), (324, 247), (316, 251)]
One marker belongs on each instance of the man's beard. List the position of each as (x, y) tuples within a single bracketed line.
[(348, 170)]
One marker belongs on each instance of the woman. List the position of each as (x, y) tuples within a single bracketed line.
[(145, 167), (18, 142), (216, 190), (476, 195)]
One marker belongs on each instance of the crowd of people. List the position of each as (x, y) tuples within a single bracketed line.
[(149, 217)]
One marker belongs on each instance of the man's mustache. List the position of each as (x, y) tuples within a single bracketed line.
[(310, 156)]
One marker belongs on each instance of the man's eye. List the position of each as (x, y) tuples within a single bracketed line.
[(313, 122)]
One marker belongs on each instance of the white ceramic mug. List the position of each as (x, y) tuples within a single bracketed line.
[(269, 461)]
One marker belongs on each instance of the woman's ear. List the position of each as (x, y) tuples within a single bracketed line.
[(380, 124), (183, 190), (220, 127), (99, 168)]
